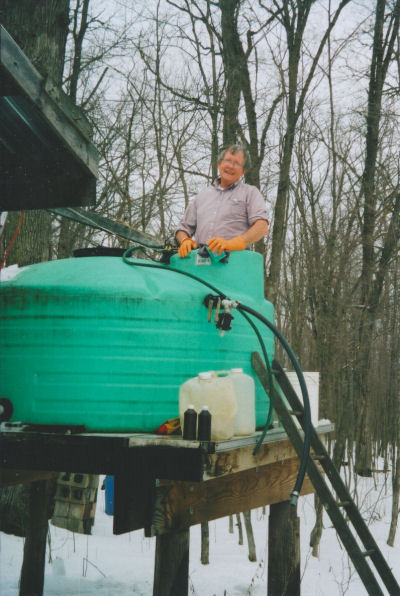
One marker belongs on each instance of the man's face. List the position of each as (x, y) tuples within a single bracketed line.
[(231, 168)]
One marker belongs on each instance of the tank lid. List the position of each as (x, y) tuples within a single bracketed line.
[(236, 370), (99, 251), (205, 375)]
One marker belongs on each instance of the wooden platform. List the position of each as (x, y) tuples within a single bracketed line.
[(162, 484)]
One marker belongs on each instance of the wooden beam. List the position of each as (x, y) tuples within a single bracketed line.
[(13, 477), (60, 115), (134, 488), (171, 571), (179, 505), (98, 454), (238, 460), (32, 571), (283, 550)]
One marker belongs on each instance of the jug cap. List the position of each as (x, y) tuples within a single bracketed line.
[(204, 408), (205, 375), (237, 370)]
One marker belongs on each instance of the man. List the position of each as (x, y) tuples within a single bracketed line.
[(229, 214)]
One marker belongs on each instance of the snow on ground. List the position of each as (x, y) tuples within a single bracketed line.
[(106, 565)]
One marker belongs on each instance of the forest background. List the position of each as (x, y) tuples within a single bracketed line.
[(311, 87)]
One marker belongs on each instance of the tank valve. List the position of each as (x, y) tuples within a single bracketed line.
[(224, 322), (222, 319), (225, 318), (210, 302)]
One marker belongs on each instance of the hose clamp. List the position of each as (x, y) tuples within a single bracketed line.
[(229, 305)]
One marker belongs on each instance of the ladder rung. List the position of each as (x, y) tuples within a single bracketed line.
[(296, 412), (317, 457), (368, 553), (343, 503)]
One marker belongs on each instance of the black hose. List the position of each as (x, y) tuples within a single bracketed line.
[(306, 401), (159, 266), (271, 384), (247, 309)]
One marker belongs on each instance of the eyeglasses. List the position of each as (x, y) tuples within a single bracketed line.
[(234, 164)]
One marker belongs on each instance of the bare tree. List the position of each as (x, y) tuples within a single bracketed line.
[(375, 261), (293, 16)]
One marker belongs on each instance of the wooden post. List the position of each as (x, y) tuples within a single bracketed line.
[(205, 544), (171, 573), (32, 572), (283, 550)]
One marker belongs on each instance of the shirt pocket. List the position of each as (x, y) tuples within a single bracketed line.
[(237, 208)]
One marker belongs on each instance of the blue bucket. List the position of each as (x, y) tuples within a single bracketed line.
[(109, 490)]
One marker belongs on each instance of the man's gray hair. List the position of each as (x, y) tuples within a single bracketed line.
[(235, 148)]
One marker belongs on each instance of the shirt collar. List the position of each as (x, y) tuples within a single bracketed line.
[(217, 183)]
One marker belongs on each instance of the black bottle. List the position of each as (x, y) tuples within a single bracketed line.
[(204, 433), (190, 424)]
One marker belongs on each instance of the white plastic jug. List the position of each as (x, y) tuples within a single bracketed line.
[(245, 420), (216, 392)]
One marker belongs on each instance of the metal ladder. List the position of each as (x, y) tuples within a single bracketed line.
[(337, 505)]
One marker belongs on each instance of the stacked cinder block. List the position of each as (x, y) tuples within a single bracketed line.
[(75, 502)]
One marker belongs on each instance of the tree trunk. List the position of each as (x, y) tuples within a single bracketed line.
[(240, 528), (373, 269), (316, 533), (230, 49), (33, 243), (250, 536), (14, 509), (395, 499)]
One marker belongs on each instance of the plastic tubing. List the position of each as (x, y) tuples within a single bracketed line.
[(306, 401), (271, 384), (242, 308)]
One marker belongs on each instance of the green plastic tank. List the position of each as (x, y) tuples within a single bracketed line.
[(94, 341)]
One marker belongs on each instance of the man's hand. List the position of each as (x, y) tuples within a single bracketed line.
[(186, 247), (220, 244)]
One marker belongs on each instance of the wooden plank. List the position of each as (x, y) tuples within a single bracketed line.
[(179, 505), (64, 453), (74, 114), (16, 66), (13, 477), (98, 454), (134, 493), (238, 460)]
